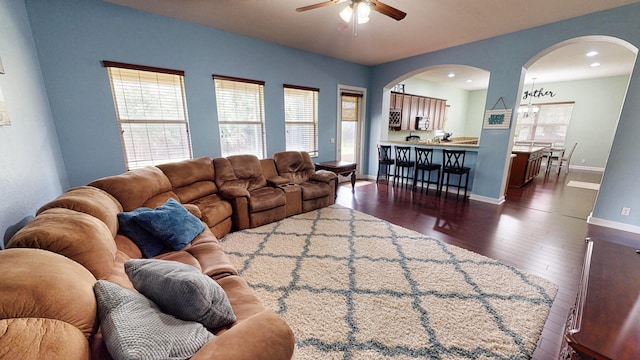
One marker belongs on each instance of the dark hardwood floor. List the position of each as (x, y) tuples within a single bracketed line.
[(540, 229)]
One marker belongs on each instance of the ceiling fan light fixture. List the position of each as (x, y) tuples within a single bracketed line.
[(346, 13), (363, 12)]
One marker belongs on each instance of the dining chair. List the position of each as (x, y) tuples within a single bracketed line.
[(546, 154), (566, 159)]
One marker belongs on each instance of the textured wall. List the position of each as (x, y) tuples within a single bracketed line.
[(31, 167)]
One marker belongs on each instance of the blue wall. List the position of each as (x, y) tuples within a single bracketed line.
[(505, 56), (31, 167), (73, 36)]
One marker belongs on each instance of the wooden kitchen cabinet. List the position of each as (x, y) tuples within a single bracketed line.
[(526, 164), (408, 107), (406, 113)]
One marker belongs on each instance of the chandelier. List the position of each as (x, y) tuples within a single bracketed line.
[(529, 110)]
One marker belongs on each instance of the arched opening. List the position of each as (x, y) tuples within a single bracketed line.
[(453, 95), (572, 96)]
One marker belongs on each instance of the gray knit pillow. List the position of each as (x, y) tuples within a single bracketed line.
[(182, 291), (133, 327)]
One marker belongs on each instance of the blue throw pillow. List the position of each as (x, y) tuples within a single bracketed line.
[(146, 241), (174, 225)]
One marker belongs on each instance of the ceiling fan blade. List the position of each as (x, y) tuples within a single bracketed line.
[(387, 10), (318, 5)]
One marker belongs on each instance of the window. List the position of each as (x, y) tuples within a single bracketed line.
[(240, 105), (301, 118), (151, 113), (544, 122)]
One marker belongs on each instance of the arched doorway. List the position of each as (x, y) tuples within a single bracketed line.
[(572, 96), (463, 87)]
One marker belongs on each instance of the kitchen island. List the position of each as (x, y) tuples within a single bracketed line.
[(526, 164)]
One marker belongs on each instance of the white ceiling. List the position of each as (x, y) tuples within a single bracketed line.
[(430, 25)]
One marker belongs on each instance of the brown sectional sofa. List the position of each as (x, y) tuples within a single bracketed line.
[(47, 303)]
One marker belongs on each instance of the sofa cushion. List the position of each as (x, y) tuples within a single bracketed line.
[(89, 200), (314, 190), (214, 210), (134, 188), (149, 245), (42, 338), (266, 198), (42, 284), (134, 327), (182, 291), (242, 171), (295, 165), (191, 179), (76, 235), (171, 223)]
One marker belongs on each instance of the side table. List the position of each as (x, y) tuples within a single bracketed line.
[(343, 168), (605, 322)]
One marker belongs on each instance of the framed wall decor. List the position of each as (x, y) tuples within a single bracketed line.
[(497, 119)]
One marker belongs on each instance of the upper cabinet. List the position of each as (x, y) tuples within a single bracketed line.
[(414, 112)]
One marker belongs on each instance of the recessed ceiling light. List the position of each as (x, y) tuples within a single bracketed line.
[(469, 80), (592, 53), (595, 64), (451, 75)]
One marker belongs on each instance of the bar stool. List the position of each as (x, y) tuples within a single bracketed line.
[(403, 162), (384, 161), (424, 163), (453, 163)]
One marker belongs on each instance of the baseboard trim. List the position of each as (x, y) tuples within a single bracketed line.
[(578, 167), (586, 168), (613, 224), (494, 201)]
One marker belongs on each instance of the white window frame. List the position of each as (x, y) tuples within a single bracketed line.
[(533, 117), (301, 113), (241, 118), (151, 113)]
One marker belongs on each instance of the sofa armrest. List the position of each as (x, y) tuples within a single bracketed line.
[(264, 336), (278, 180), (232, 192), (323, 176), (194, 210)]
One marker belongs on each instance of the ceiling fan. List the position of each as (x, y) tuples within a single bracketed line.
[(357, 5)]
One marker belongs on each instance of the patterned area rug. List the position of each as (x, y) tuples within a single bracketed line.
[(352, 286)]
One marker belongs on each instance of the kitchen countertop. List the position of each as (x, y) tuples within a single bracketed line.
[(526, 149), (434, 144)]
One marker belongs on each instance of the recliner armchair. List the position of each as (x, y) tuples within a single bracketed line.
[(241, 182), (318, 187)]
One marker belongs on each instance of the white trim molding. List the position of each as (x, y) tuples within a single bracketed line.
[(490, 200), (613, 224)]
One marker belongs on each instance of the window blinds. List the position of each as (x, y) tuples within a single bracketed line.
[(301, 119), (240, 116), (151, 114)]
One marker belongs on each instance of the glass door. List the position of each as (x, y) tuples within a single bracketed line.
[(350, 113)]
